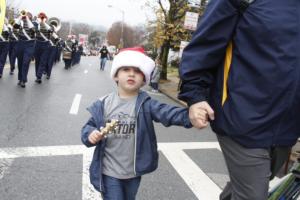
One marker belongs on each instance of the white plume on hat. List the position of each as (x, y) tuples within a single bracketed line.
[(133, 57)]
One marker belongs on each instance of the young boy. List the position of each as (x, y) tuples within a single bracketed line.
[(130, 151)]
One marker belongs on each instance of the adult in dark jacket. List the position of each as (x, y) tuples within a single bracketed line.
[(103, 57), (241, 72)]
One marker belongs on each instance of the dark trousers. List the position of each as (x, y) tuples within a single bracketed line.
[(25, 53), (102, 63), (120, 189), (154, 85), (250, 169), (73, 60), (12, 54), (77, 57), (41, 54), (4, 47), (57, 55), (51, 59), (68, 63)]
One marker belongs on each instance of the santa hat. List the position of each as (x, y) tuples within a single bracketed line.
[(133, 57)]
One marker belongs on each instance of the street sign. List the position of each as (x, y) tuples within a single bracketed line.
[(183, 44), (83, 39), (191, 20)]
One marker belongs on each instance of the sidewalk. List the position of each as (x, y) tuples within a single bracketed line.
[(169, 87)]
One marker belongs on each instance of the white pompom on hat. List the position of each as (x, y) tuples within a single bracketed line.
[(133, 57)]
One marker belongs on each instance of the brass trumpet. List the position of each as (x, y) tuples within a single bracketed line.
[(23, 14), (42, 16)]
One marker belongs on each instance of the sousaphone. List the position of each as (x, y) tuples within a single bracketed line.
[(55, 23)]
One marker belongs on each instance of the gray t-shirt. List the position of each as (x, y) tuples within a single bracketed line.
[(118, 160)]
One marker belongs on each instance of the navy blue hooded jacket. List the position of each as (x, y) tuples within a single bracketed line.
[(146, 155), (247, 66)]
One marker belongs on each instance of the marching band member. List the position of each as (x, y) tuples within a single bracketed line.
[(80, 50), (67, 52), (52, 52), (13, 40), (4, 46), (75, 49), (59, 50), (42, 47), (25, 47)]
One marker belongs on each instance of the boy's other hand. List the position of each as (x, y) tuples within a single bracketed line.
[(199, 113), (95, 137)]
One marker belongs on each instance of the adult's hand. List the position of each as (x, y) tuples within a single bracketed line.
[(199, 113)]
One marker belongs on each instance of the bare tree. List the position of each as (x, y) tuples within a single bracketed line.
[(131, 36)]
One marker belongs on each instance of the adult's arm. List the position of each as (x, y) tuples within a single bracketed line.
[(206, 51)]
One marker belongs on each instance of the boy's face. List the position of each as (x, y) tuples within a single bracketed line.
[(130, 79)]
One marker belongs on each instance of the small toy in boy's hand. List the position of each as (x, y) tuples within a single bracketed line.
[(109, 126)]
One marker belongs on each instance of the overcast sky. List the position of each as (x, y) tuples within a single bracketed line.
[(95, 12)]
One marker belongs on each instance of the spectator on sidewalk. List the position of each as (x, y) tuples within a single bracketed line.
[(155, 76), (241, 72), (124, 155)]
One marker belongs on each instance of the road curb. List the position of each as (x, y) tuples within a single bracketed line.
[(172, 97)]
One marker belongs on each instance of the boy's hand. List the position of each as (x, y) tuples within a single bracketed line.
[(199, 114), (95, 137)]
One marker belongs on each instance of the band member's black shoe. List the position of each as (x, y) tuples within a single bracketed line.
[(39, 81), (22, 84)]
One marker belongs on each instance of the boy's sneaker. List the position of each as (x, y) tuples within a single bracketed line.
[(154, 91)]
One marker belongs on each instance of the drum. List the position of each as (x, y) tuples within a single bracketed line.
[(67, 55)]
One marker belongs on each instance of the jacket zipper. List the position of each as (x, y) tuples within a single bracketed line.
[(135, 139), (102, 154)]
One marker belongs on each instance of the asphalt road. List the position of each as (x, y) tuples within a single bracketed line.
[(42, 157)]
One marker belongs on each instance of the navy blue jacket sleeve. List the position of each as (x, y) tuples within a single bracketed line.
[(206, 50), (86, 131), (169, 115)]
